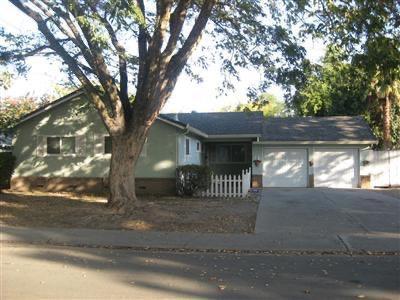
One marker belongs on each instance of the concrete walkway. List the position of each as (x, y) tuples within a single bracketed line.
[(288, 220)]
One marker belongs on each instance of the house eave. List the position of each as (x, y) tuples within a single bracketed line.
[(230, 136), (188, 128)]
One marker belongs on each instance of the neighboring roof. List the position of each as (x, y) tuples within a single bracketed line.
[(222, 123), (317, 129)]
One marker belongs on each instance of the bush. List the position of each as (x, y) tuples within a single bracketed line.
[(7, 161), (191, 179)]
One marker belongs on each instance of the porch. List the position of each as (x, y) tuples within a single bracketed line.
[(228, 157)]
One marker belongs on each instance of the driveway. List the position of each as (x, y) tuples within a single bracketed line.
[(359, 219)]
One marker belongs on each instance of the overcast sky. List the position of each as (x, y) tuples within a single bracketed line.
[(188, 96)]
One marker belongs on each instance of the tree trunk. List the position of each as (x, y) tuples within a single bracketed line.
[(387, 138), (125, 153)]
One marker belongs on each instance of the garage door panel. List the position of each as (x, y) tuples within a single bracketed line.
[(285, 168), (335, 168)]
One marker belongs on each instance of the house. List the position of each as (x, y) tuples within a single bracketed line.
[(65, 146)]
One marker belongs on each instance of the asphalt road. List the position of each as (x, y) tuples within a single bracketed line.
[(32, 272)]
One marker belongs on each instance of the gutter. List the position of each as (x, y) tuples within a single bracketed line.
[(221, 136), (316, 142)]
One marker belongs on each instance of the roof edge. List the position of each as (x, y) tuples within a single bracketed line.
[(352, 142), (49, 106)]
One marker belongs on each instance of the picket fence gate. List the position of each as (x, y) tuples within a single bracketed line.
[(229, 185)]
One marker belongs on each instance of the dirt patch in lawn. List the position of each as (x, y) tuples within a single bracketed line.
[(161, 214)]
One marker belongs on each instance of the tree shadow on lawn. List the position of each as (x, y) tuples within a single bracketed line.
[(162, 213)]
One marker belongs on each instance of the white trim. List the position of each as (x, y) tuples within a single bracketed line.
[(315, 142), (221, 136)]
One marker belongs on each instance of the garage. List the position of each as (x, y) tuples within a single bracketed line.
[(284, 167), (336, 168)]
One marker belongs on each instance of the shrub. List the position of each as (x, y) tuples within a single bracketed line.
[(7, 161), (191, 179)]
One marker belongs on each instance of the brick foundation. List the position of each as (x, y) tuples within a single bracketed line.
[(156, 186), (256, 181), (310, 180), (365, 181)]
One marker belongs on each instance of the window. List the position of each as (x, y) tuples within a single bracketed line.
[(68, 145), (223, 153), (107, 144), (238, 153), (187, 147), (230, 153), (198, 146), (61, 145), (53, 145)]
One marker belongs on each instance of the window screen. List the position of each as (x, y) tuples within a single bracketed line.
[(68, 145), (53, 145)]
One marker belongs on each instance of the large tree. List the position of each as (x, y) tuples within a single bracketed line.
[(266, 102), (337, 87), (369, 32), (128, 54)]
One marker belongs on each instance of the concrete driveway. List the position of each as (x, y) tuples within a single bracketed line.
[(358, 219)]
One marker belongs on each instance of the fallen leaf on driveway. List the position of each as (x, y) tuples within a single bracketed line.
[(222, 287)]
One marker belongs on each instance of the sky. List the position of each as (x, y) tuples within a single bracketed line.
[(188, 96)]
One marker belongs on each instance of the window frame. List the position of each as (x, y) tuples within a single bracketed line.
[(230, 160), (187, 146), (61, 151), (198, 147)]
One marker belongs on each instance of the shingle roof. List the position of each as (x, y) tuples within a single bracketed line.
[(298, 129), (222, 123)]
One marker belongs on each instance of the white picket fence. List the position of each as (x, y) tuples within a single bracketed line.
[(229, 185), (382, 166)]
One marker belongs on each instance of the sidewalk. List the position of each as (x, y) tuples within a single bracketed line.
[(192, 241)]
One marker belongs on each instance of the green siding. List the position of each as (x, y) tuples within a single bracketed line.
[(77, 118)]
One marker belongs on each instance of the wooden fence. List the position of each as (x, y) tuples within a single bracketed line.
[(229, 185), (382, 166)]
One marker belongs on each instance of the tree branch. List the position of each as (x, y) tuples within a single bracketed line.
[(175, 27), (142, 46), (179, 60), (100, 66), (123, 73), (72, 64)]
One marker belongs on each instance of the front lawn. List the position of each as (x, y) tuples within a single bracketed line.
[(162, 214)]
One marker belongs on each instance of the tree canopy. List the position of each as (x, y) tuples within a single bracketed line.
[(266, 102)]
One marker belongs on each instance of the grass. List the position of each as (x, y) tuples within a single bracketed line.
[(37, 209)]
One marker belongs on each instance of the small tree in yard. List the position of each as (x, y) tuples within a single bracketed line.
[(111, 46)]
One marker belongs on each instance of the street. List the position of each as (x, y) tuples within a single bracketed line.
[(33, 272)]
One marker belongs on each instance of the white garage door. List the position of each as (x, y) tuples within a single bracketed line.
[(285, 168), (335, 168)]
